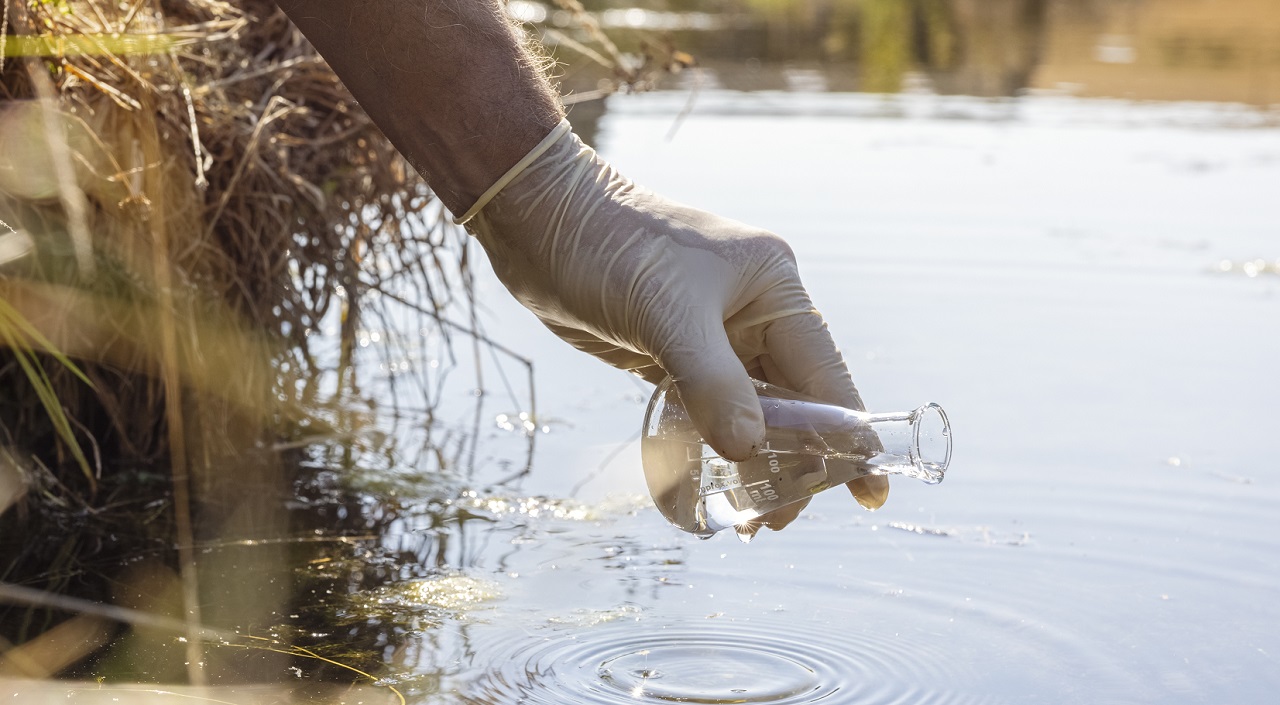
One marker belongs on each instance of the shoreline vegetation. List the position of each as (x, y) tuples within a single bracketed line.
[(202, 195), (198, 227)]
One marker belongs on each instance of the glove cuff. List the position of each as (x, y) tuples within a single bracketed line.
[(556, 133)]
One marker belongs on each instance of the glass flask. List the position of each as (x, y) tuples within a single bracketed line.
[(809, 446)]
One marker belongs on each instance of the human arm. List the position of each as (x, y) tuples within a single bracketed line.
[(639, 281), (449, 82)]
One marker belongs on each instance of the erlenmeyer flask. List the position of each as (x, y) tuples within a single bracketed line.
[(810, 446)]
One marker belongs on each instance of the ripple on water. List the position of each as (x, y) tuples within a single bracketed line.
[(682, 672), (748, 661)]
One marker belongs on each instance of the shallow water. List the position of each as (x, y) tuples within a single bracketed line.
[(1052, 272), (1088, 287)]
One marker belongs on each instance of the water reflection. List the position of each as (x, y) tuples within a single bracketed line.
[(1170, 50), (424, 559)]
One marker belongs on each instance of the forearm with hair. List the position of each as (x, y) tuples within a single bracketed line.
[(449, 82)]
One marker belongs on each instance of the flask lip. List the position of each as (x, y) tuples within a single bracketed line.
[(929, 463)]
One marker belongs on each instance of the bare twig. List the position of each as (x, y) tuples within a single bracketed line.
[(201, 182), (592, 28), (276, 108)]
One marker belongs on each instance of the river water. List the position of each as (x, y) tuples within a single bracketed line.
[(1077, 281), (1089, 286), (1086, 279)]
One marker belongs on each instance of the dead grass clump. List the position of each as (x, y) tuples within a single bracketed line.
[(203, 194), (187, 195)]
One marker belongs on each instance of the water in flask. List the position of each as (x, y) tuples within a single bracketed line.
[(809, 446)]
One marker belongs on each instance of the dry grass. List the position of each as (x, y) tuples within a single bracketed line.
[(187, 195), (203, 195)]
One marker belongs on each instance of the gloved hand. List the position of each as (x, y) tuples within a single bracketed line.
[(658, 288)]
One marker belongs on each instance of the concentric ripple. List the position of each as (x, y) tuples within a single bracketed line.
[(710, 662), (708, 673)]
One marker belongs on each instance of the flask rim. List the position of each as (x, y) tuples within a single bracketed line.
[(931, 471)]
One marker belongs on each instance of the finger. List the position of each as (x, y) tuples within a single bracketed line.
[(871, 491), (716, 390), (770, 373), (779, 518), (764, 368), (651, 373), (802, 351)]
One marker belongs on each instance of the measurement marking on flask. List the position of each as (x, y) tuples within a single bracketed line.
[(718, 484), (761, 490)]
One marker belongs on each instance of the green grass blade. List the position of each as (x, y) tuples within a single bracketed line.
[(15, 331)]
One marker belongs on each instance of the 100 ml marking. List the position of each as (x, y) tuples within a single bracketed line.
[(759, 491), (762, 490)]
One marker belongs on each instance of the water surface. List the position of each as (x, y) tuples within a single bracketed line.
[(1068, 277), (1088, 281)]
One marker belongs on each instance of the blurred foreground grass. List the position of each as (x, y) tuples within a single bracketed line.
[(198, 228)]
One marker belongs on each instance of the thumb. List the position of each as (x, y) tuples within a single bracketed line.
[(716, 391)]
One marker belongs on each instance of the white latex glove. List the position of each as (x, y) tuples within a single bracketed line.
[(658, 288)]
